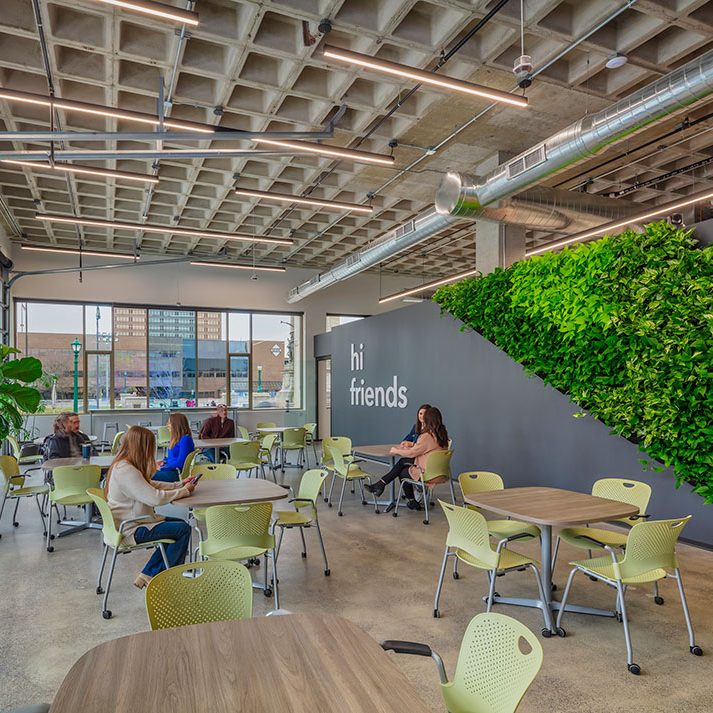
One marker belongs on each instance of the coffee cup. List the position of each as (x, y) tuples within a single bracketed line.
[(86, 451)]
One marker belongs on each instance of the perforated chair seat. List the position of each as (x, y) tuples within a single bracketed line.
[(287, 518), (29, 490), (501, 529), (243, 552), (573, 536), (604, 567), (245, 465), (355, 471), (508, 560)]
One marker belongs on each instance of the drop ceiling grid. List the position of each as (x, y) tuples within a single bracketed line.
[(212, 75)]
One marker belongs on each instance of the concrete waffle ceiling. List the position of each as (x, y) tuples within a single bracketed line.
[(247, 66)]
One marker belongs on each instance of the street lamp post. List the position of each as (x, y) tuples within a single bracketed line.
[(76, 347)]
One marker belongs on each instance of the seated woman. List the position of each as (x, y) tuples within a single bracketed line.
[(180, 445), (412, 436), (131, 493), (433, 437)]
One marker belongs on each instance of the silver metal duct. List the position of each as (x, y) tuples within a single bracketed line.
[(403, 237), (463, 195), (493, 196)]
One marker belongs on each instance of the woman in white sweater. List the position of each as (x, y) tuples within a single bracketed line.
[(131, 493)]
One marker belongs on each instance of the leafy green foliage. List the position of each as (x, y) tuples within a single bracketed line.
[(624, 326), (16, 398)]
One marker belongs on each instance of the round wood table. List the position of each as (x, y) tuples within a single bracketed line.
[(216, 444), (231, 492)]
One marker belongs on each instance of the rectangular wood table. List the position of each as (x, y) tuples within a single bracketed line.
[(548, 508), (300, 663), (380, 454)]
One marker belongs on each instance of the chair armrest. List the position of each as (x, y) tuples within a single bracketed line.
[(638, 517), (123, 523), (503, 542), (593, 540), (416, 649), (301, 500)]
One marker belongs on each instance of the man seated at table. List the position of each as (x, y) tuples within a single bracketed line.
[(67, 440), (218, 426)]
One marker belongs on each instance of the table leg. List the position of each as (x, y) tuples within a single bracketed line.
[(217, 455), (546, 562)]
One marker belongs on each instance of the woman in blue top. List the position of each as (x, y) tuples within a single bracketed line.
[(180, 445)]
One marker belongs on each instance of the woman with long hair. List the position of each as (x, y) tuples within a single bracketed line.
[(433, 437), (131, 493), (180, 445), (412, 436)]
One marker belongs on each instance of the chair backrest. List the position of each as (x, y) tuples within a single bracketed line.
[(652, 545), (214, 471), (117, 442), (188, 463), (221, 592), (244, 433), (438, 465), (238, 526), (267, 442), (310, 429), (632, 492), (74, 480), (244, 452), (335, 459), (266, 424), (109, 531), (468, 531), (343, 444), (14, 447), (479, 481), (10, 471), (310, 485), (163, 436), (293, 438), (498, 660)]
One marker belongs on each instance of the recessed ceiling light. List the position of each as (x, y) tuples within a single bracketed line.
[(616, 60)]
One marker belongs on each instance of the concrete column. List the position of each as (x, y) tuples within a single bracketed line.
[(497, 245)]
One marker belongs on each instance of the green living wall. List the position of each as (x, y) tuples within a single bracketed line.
[(624, 326)]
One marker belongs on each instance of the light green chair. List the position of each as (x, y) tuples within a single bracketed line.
[(210, 471), (217, 591), (650, 552), (242, 532), (623, 490), (116, 443), (14, 488), (347, 470), (310, 431), (436, 472), (163, 437), (267, 444), (70, 485), (493, 671), (244, 457), (113, 541), (23, 460), (344, 445), (293, 439), (243, 433), (188, 464), (469, 541), (307, 496), (265, 424)]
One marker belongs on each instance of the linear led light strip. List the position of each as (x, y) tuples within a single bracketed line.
[(429, 285), (89, 170), (99, 110), (334, 151), (237, 266), (72, 251), (287, 198), (418, 75), (156, 9), (163, 229), (638, 218)]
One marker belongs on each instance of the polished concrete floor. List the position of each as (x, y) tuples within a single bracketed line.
[(384, 572)]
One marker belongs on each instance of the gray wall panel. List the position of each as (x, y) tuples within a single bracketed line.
[(500, 419)]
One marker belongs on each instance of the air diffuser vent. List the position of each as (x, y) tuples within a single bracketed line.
[(528, 161)]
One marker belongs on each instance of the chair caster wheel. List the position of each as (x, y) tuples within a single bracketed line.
[(100, 590), (696, 650), (340, 514), (327, 572), (363, 502), (329, 504), (658, 600), (561, 632), (554, 587), (594, 579), (394, 514), (619, 617), (456, 575), (436, 614), (44, 534), (425, 522), (304, 555), (377, 511), (50, 549), (106, 613), (15, 524), (267, 592), (634, 668), (546, 633)]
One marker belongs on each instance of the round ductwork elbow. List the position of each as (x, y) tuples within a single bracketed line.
[(457, 195)]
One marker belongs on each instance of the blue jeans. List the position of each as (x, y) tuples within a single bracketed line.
[(209, 453), (167, 475), (171, 528)]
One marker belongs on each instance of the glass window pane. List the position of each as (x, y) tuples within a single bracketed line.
[(172, 358), (276, 367), (98, 327), (335, 320), (239, 372), (98, 381), (212, 354), (47, 331), (129, 357), (239, 332)]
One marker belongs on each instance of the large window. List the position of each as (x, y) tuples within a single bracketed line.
[(137, 357)]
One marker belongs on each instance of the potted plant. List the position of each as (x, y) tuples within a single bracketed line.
[(17, 397)]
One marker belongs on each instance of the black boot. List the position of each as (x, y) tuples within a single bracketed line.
[(377, 488), (413, 504)]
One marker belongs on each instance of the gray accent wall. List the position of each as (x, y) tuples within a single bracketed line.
[(500, 418)]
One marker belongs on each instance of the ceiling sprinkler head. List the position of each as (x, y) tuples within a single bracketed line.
[(616, 60), (325, 26)]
